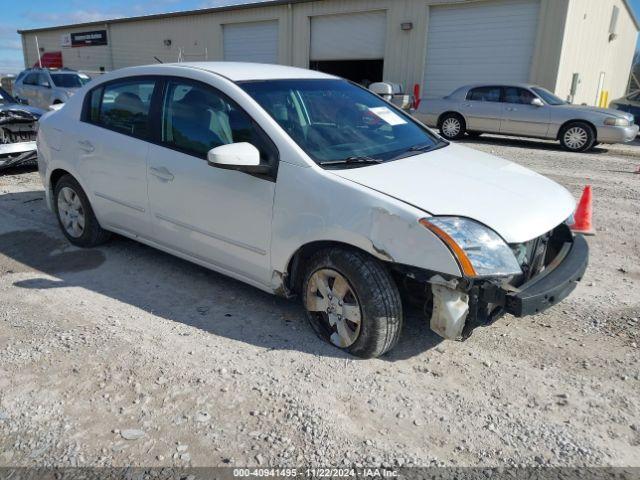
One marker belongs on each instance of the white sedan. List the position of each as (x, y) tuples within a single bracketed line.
[(301, 183)]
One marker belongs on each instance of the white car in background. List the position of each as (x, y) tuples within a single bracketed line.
[(42, 87), (301, 183)]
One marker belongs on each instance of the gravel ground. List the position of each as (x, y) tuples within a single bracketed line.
[(124, 355)]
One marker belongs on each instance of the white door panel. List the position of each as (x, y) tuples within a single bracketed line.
[(351, 36), (480, 42), (220, 216), (115, 169), (251, 42)]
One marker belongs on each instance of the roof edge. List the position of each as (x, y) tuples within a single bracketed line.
[(633, 15), (155, 16)]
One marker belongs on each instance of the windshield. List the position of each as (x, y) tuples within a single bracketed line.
[(334, 120), (68, 80), (548, 97), (5, 98)]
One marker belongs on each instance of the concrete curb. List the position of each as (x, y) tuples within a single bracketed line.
[(627, 151)]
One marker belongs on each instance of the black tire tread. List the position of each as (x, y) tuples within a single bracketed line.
[(592, 136), (93, 234), (463, 125), (379, 297)]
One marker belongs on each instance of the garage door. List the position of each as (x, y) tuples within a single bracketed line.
[(251, 42), (356, 36), (481, 42)]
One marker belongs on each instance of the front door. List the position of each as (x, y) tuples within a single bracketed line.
[(221, 217), (112, 146), (520, 117), (482, 109)]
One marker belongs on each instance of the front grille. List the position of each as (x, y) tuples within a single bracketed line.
[(534, 255)]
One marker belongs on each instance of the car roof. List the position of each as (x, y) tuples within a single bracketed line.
[(498, 84), (244, 71)]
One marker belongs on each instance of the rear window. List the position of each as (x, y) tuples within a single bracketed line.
[(122, 107)]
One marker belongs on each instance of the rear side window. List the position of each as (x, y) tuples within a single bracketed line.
[(122, 107), (484, 94), (31, 79)]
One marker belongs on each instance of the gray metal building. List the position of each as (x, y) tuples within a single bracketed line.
[(581, 49)]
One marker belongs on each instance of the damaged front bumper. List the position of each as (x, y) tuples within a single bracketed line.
[(541, 292), (456, 306)]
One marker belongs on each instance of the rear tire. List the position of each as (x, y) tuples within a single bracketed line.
[(352, 302), (578, 137), (75, 215), (452, 126)]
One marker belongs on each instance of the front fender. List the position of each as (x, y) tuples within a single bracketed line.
[(314, 205)]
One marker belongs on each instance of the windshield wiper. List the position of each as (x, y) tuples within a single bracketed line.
[(352, 161), (418, 149)]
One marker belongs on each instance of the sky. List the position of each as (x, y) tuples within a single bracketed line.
[(41, 13)]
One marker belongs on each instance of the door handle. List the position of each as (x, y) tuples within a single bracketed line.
[(86, 145), (162, 173)]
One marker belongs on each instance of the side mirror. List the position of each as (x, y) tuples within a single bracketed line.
[(243, 157), (536, 102)]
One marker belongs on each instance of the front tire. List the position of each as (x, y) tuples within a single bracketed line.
[(578, 137), (352, 302), (452, 126), (75, 215)]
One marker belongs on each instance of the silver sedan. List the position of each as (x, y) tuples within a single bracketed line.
[(527, 111)]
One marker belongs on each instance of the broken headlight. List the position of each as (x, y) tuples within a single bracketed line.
[(480, 251)]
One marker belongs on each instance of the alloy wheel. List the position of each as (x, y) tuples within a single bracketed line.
[(71, 212), (334, 302), (451, 127), (576, 138)]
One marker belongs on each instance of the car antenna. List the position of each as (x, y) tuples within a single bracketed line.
[(158, 60)]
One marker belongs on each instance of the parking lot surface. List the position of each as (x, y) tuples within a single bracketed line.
[(124, 355)]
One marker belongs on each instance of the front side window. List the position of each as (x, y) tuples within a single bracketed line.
[(67, 80), (43, 81), (123, 106), (335, 121), (485, 94), (197, 118), (518, 95), (548, 97)]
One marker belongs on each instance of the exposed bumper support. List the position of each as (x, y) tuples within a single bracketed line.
[(552, 286)]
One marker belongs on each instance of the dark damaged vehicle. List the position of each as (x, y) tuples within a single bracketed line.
[(18, 130)]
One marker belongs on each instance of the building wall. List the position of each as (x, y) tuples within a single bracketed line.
[(588, 51), (565, 41)]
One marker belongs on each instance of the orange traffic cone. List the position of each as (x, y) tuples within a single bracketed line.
[(582, 222), (638, 170)]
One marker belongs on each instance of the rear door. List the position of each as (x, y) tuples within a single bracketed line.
[(482, 109), (520, 117), (221, 217), (28, 88), (111, 145)]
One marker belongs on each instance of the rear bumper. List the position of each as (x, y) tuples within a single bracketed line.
[(618, 134), (551, 286)]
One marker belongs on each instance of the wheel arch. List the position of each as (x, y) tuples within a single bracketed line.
[(576, 120), (296, 264)]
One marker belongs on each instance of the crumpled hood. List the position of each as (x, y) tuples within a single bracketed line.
[(516, 202)]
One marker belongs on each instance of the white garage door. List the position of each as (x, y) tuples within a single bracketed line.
[(251, 42), (356, 36), (480, 42)]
